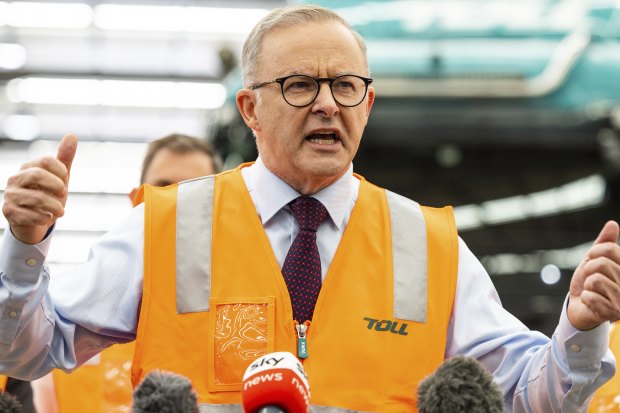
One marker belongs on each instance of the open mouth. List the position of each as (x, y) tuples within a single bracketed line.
[(323, 138)]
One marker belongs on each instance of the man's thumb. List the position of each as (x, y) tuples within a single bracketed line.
[(67, 149), (609, 233)]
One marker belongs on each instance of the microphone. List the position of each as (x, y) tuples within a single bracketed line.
[(164, 392), (9, 403), (275, 383), (460, 385)]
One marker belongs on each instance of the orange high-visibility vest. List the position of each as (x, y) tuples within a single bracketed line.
[(101, 385), (607, 398), (214, 298), (3, 380)]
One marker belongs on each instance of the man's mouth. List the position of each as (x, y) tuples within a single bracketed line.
[(323, 138)]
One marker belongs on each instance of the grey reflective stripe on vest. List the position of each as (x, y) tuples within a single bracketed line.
[(328, 409), (193, 255), (409, 256), (236, 408), (220, 408), (193, 244)]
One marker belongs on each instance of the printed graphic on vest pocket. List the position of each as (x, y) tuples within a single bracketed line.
[(240, 333)]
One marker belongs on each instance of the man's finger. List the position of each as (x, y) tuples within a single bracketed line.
[(67, 150), (49, 180), (33, 199), (609, 233)]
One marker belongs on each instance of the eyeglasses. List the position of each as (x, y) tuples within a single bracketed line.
[(302, 90)]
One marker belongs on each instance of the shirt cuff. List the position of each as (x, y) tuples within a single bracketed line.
[(581, 348), (21, 266), (22, 262), (588, 357)]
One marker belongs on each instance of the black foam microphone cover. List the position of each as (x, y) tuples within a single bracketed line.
[(9, 403), (164, 392), (460, 385)]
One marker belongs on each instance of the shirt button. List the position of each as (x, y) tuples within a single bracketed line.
[(575, 348), (13, 314), (31, 262)]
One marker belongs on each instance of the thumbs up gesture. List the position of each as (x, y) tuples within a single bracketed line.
[(595, 286), (35, 197)]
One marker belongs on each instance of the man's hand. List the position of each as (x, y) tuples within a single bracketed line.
[(35, 197), (595, 287)]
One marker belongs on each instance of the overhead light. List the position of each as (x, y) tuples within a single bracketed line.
[(4, 13), (22, 127), (177, 18), (50, 15), (222, 20), (53, 91), (551, 262), (131, 17), (449, 156), (550, 274), (190, 95), (162, 94), (120, 124), (582, 193), (12, 55), (134, 17)]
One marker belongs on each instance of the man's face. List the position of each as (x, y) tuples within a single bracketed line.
[(168, 167), (313, 146)]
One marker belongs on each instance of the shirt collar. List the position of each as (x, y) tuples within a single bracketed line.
[(270, 194)]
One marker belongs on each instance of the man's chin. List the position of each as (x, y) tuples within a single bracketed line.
[(321, 167), (326, 172)]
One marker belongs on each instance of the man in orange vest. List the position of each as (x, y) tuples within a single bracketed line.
[(103, 384), (205, 275)]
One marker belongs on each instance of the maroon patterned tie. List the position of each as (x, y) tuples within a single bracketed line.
[(302, 266)]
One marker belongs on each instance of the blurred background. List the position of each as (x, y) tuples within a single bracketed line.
[(507, 110)]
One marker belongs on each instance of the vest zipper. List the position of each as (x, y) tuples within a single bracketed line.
[(302, 345)]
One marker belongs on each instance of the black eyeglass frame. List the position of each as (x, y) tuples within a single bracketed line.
[(330, 81)]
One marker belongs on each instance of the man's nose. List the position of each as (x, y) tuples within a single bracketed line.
[(324, 103)]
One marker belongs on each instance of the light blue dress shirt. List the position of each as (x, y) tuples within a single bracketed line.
[(63, 320)]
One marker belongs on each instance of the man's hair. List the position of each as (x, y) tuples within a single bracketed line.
[(179, 144), (287, 16)]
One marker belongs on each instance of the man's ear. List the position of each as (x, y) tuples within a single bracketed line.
[(371, 100), (246, 103)]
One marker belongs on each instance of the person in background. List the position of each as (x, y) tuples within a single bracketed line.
[(293, 252), (175, 158), (103, 383)]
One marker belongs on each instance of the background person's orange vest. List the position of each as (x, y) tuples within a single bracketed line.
[(361, 357), (607, 398), (102, 385)]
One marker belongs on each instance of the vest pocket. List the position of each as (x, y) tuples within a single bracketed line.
[(241, 330)]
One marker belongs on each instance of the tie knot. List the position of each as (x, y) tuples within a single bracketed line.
[(309, 212)]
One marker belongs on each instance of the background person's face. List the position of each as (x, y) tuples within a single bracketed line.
[(309, 147), (168, 167)]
